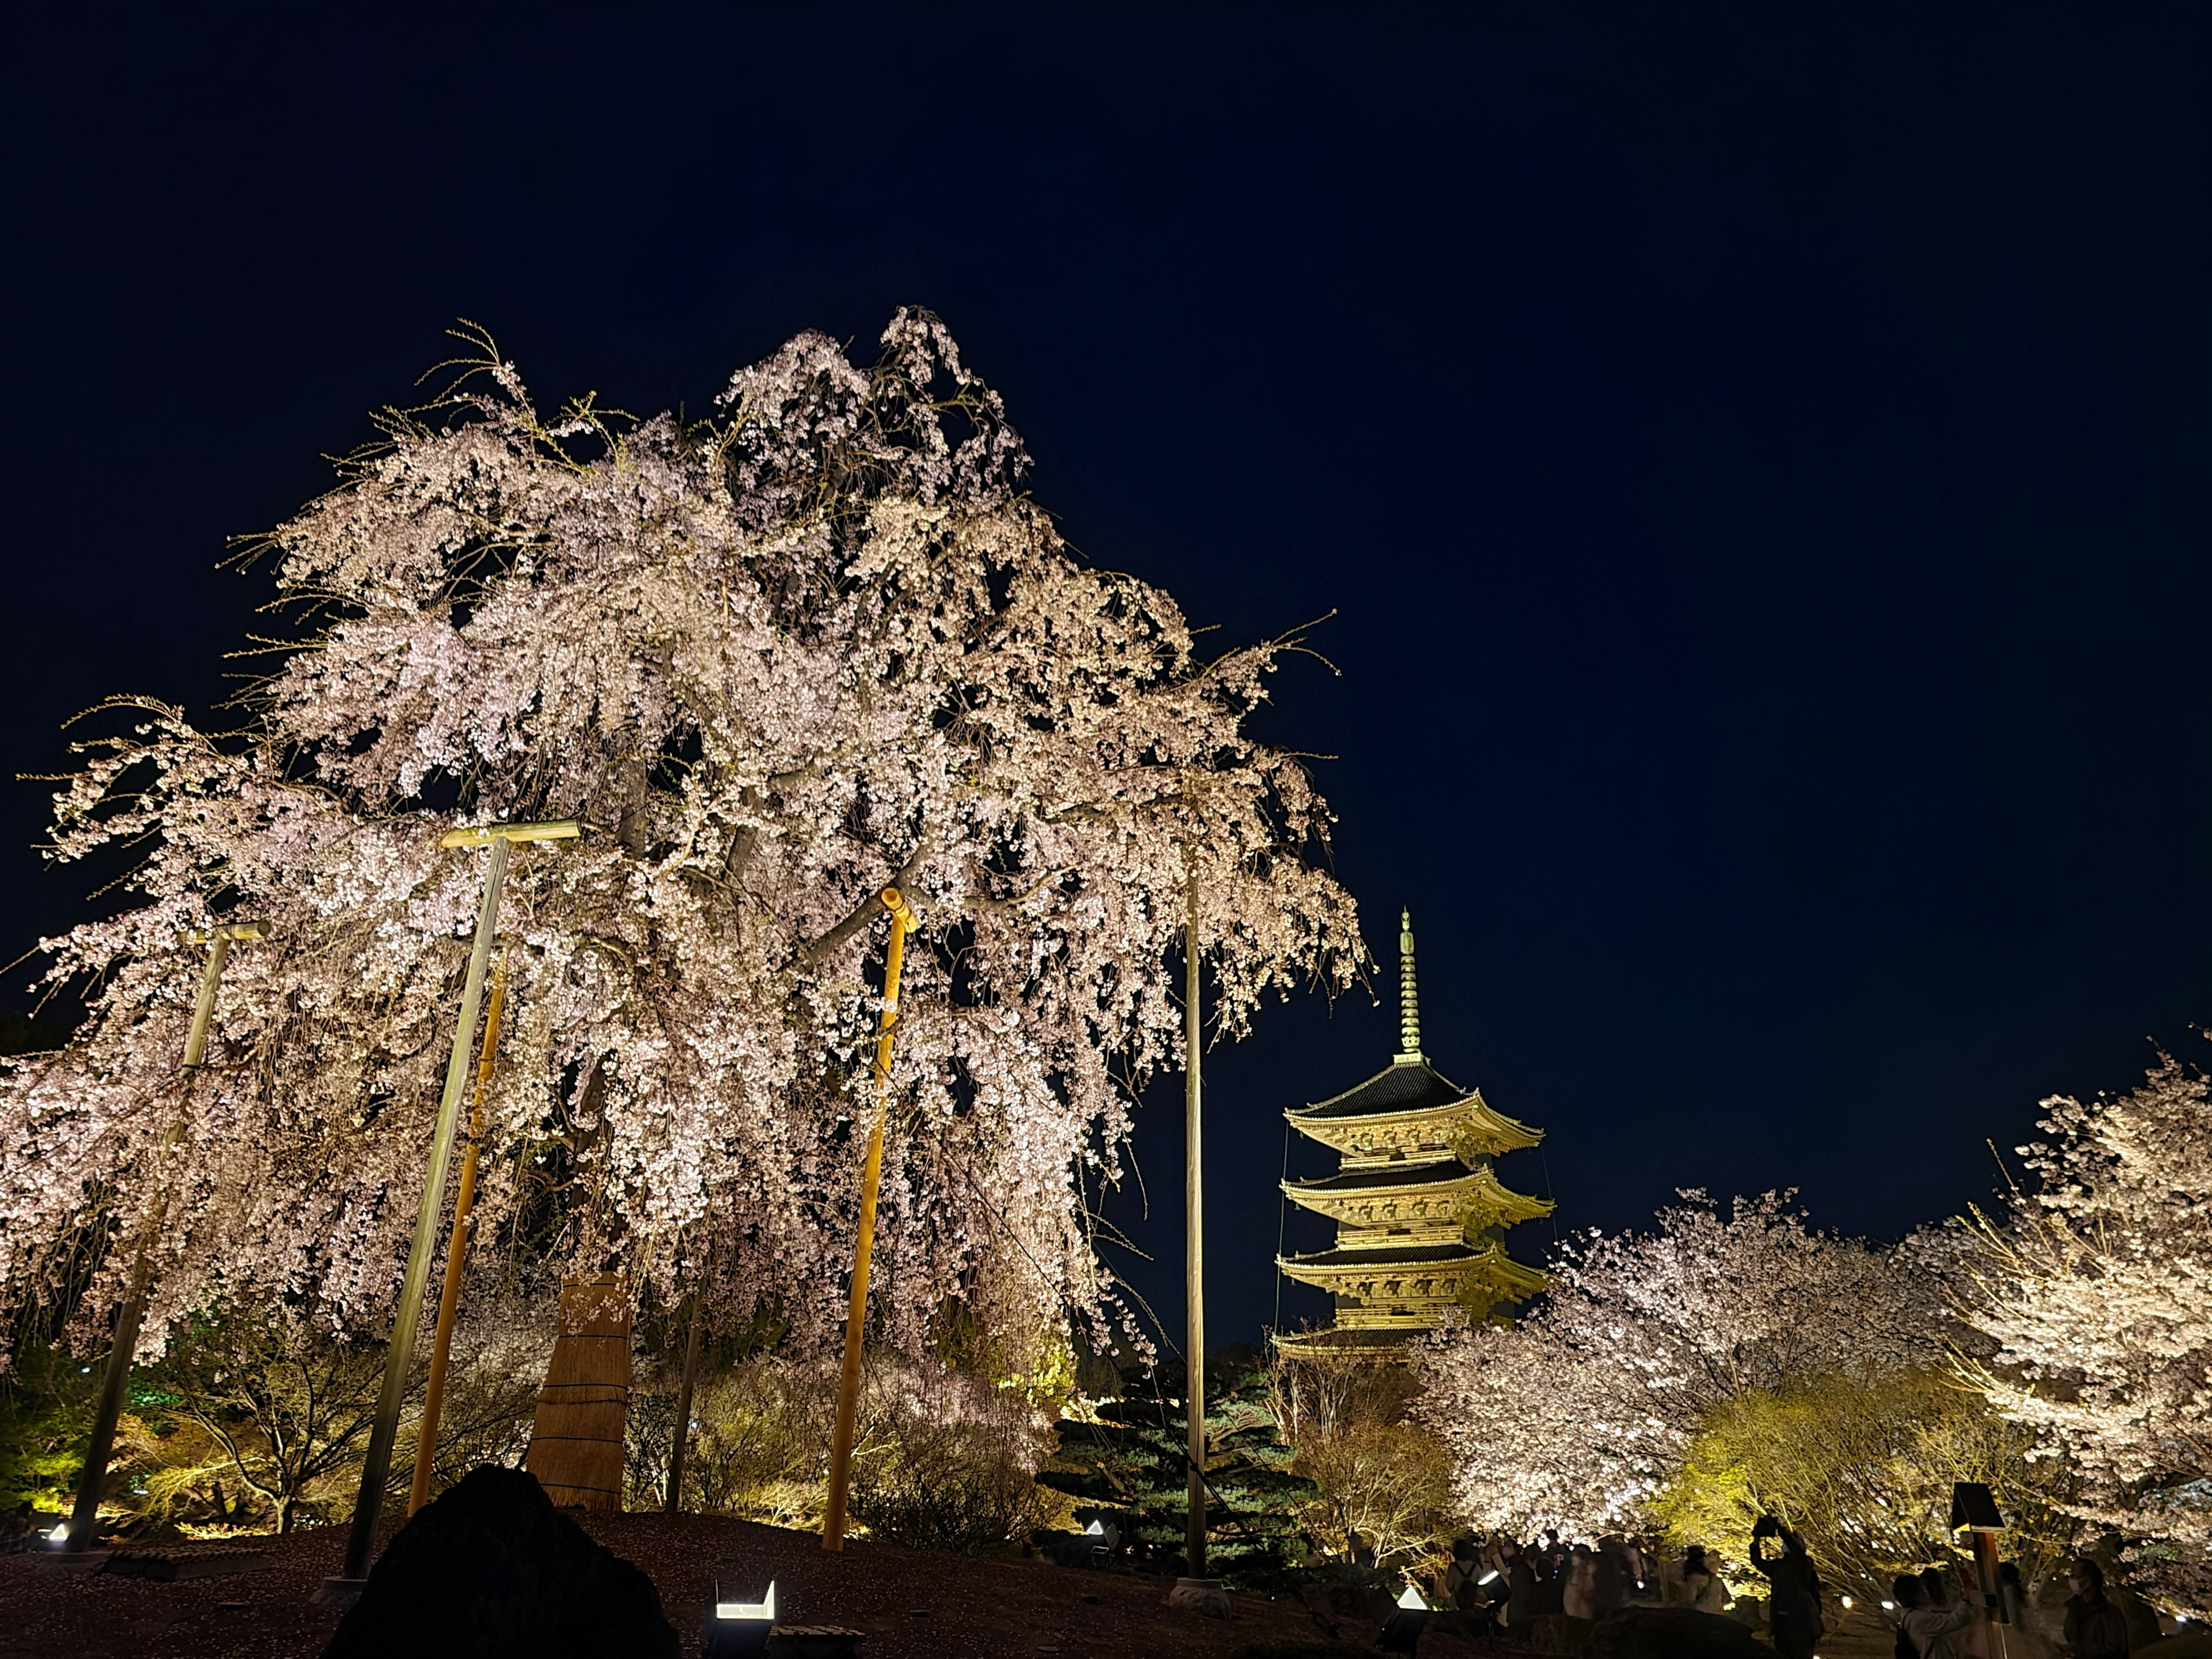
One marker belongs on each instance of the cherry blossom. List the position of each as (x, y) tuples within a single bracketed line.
[(2096, 1291), (1578, 1415), (820, 641)]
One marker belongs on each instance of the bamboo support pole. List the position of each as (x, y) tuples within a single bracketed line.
[(457, 1252), (84, 1518), (1193, 1404), (849, 1387), (368, 1504)]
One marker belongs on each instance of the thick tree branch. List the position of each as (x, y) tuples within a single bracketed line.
[(863, 913)]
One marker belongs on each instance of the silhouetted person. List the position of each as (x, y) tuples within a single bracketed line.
[(2026, 1635), (1609, 1590), (1924, 1625), (1520, 1586), (1793, 1610), (2095, 1629), (1577, 1590), (1701, 1583)]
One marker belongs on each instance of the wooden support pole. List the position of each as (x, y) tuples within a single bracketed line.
[(84, 1518), (848, 1386), (368, 1502), (1193, 1403), (683, 1438), (457, 1252)]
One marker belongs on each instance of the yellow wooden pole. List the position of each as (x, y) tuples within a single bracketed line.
[(376, 1463), (456, 1251), (848, 1386)]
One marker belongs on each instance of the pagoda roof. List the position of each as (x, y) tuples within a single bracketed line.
[(1444, 1175), (1410, 1089), (1408, 1256), (1403, 1086), (1339, 1341), (1491, 1262), (1444, 1172)]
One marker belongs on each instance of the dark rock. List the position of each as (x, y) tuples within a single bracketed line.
[(492, 1570), (1674, 1633)]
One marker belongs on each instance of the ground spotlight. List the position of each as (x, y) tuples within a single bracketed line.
[(1402, 1634), (740, 1628)]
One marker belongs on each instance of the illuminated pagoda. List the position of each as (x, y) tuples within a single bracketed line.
[(1420, 1213)]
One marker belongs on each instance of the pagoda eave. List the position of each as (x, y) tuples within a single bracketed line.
[(1355, 1272), (1461, 1127), (1473, 1196)]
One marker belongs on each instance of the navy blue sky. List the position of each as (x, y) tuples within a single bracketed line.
[(1759, 463)]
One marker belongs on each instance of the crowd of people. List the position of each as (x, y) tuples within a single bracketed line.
[(1549, 1595), (1509, 1586)]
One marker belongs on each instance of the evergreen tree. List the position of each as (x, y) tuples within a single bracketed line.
[(1131, 1465)]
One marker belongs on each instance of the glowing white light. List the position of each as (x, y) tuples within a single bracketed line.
[(1488, 1577), (1847, 1601), (1889, 1606), (60, 1533), (1095, 1530), (763, 1608), (1412, 1598)]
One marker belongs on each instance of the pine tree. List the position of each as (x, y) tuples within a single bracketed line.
[(1130, 1464)]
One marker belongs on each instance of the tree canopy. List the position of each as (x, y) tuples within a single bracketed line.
[(773, 659)]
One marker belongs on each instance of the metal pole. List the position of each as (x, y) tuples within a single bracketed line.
[(362, 1539), (457, 1253), (83, 1519), (848, 1385), (1193, 1404), (675, 1504)]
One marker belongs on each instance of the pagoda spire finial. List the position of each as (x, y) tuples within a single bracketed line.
[(1409, 1000)]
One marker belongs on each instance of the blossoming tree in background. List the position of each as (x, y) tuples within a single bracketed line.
[(774, 660), (1577, 1416), (2096, 1289)]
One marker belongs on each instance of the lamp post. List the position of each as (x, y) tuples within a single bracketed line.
[(83, 1519), (848, 1386), (1974, 1516), (501, 838), (457, 1254)]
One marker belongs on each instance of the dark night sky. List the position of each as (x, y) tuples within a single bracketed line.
[(1759, 464)]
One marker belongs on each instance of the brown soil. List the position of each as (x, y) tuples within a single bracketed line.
[(912, 1604)]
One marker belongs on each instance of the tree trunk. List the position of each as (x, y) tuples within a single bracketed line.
[(576, 1441)]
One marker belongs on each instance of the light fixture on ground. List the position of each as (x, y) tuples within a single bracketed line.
[(83, 1524), (361, 1541), (1402, 1634), (739, 1627)]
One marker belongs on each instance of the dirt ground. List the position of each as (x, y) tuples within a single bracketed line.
[(912, 1604)]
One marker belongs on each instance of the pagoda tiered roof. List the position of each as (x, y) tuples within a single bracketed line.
[(1393, 1283), (1379, 1194), (1411, 1110)]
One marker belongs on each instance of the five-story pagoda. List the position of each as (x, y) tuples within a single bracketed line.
[(1418, 1213)]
